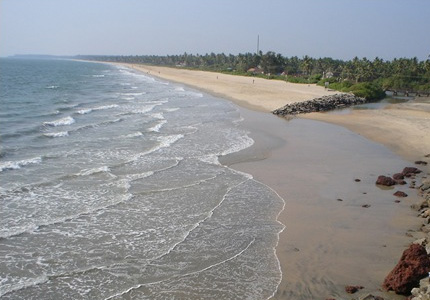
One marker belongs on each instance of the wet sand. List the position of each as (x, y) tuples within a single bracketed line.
[(330, 239), (327, 243)]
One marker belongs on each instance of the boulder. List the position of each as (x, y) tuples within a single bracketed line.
[(385, 180), (412, 266), (400, 194), (398, 176), (409, 171)]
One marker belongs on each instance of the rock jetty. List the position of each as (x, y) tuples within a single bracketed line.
[(324, 103)]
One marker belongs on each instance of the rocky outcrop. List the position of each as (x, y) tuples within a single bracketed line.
[(412, 267), (324, 103)]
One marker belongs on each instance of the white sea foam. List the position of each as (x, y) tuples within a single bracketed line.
[(134, 94), (157, 127), (52, 87), (136, 134), (87, 172), (56, 134), (169, 140), (241, 143), (88, 110), (60, 122), (97, 76), (14, 165), (172, 109), (22, 284), (158, 116), (179, 89), (85, 111), (145, 109)]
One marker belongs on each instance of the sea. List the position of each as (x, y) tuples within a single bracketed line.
[(111, 188)]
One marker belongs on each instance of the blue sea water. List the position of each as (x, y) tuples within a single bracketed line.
[(111, 188)]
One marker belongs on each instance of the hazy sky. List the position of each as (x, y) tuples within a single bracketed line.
[(318, 28)]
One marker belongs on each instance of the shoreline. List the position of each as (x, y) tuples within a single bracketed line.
[(265, 162)]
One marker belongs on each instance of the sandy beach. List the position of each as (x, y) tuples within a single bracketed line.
[(341, 229)]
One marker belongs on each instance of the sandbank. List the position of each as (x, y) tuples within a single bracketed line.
[(330, 239)]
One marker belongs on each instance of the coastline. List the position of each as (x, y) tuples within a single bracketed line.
[(317, 223)]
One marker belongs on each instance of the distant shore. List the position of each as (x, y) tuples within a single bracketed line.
[(338, 231), (403, 128)]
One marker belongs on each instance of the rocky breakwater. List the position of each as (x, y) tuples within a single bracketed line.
[(324, 103)]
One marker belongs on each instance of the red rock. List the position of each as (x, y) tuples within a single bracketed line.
[(384, 180), (408, 171), (411, 268), (351, 289), (400, 194), (401, 182), (398, 176), (421, 162)]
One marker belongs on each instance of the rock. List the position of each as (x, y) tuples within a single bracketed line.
[(385, 180), (400, 194), (409, 171), (351, 289), (366, 205), (412, 266), (421, 162), (398, 176), (425, 186), (357, 180), (401, 182)]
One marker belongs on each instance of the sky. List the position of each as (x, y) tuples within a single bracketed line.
[(341, 29)]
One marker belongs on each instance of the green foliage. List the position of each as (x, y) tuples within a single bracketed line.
[(398, 74), (368, 90)]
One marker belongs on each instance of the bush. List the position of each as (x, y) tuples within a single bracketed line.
[(368, 90)]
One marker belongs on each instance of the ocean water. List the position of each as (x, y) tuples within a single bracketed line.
[(111, 188)]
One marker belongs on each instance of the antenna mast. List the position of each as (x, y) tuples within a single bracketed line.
[(258, 44)]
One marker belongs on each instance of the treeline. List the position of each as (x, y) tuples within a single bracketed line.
[(356, 75)]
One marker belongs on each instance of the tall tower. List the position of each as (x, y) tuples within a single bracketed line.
[(258, 44)]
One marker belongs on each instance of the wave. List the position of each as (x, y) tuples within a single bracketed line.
[(136, 134), (157, 127), (169, 140), (88, 110), (56, 134), (241, 143), (22, 284), (87, 172), (158, 116), (172, 109), (134, 94), (60, 122), (14, 165), (52, 87), (97, 76), (6, 233)]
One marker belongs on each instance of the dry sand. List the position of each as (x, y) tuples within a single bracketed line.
[(251, 92), (327, 243)]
